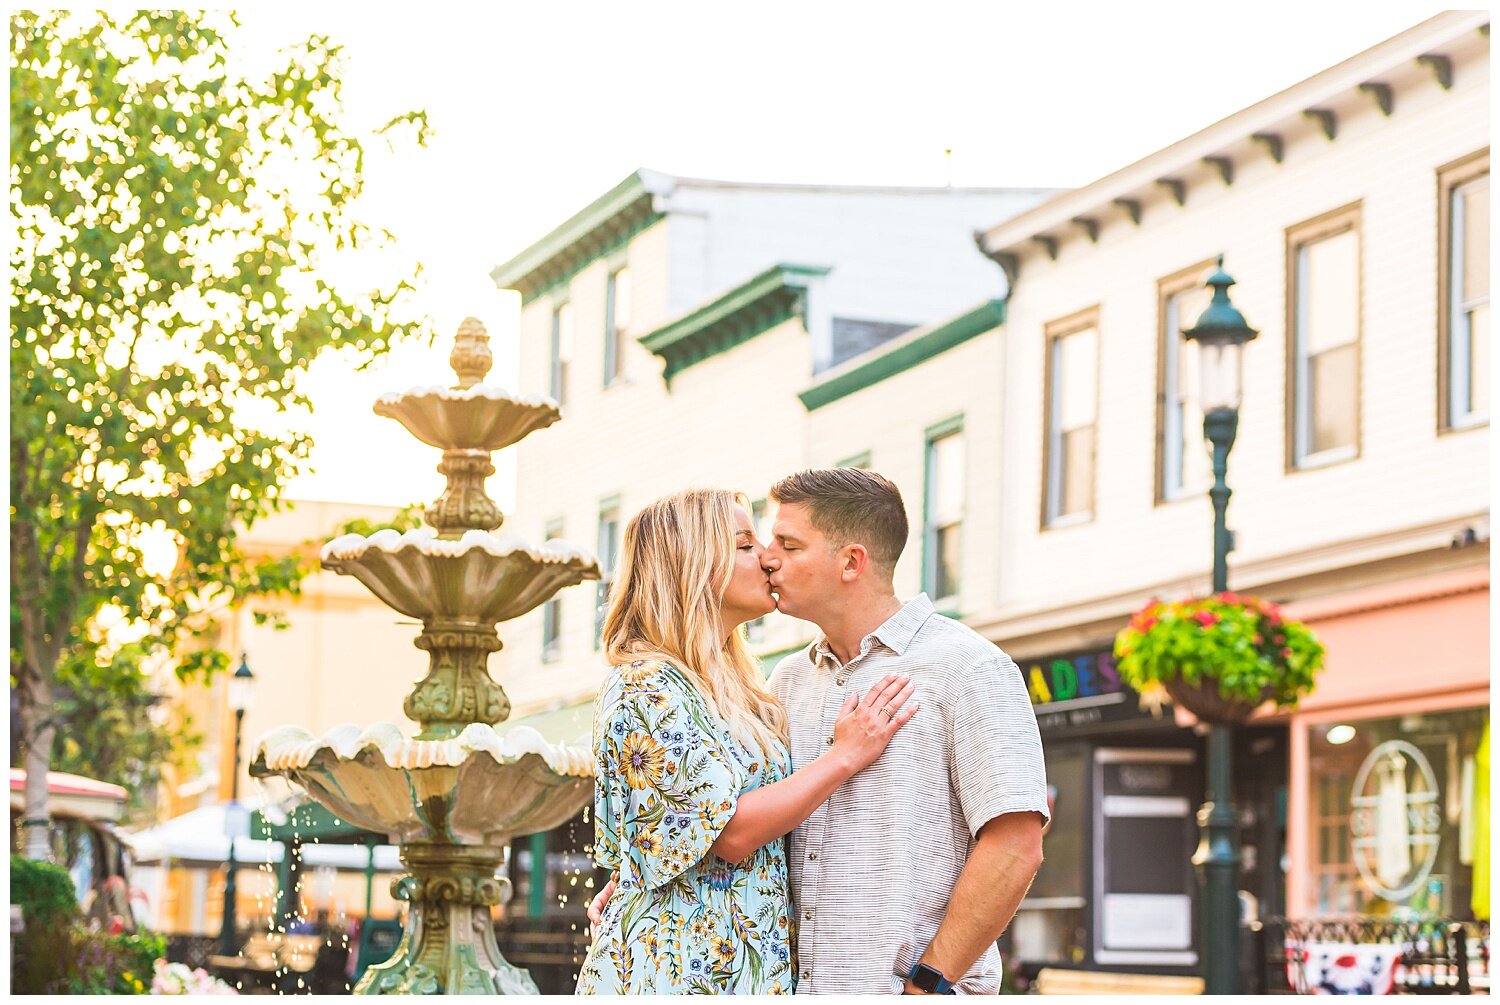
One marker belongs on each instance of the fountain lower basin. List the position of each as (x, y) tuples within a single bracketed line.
[(478, 788)]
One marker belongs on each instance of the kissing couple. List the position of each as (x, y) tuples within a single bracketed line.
[(899, 751)]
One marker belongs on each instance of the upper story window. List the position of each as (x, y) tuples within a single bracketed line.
[(609, 551), (1323, 263), (562, 350), (1464, 292), (1072, 412), (1182, 460), (552, 610), (941, 551), (617, 307)]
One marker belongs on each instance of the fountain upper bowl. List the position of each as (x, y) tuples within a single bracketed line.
[(481, 417)]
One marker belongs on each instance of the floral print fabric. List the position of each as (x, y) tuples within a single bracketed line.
[(682, 920)]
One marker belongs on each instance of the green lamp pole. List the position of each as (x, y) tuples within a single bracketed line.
[(241, 690), (1221, 334)]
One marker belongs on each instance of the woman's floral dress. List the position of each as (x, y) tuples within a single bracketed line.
[(682, 920)]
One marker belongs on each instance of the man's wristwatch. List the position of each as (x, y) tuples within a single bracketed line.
[(925, 978)]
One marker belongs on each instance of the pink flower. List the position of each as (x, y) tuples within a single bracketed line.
[(1207, 618), (1286, 654)]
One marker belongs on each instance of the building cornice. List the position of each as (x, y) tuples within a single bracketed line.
[(1293, 578), (734, 317), (902, 353), (1209, 155), (601, 227)]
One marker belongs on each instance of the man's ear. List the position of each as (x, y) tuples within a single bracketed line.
[(854, 560)]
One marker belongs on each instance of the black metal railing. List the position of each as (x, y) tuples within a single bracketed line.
[(552, 949), (191, 950), (1431, 956)]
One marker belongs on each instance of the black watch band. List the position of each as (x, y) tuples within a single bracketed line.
[(925, 978)]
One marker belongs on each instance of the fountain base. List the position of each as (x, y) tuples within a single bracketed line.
[(448, 947)]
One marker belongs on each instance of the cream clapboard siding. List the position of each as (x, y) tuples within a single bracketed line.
[(732, 421), (889, 420), (1407, 474)]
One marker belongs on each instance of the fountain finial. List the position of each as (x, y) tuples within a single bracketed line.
[(471, 358)]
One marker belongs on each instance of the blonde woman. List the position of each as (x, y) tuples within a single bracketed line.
[(693, 793)]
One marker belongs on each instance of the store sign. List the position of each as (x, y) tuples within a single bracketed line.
[(1078, 690), (1394, 819)]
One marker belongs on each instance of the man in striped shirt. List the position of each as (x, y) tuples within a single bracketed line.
[(905, 878)]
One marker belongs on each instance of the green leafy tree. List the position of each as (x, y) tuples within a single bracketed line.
[(119, 729), (175, 221)]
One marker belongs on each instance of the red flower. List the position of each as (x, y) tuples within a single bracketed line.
[(1207, 618), (1286, 654)]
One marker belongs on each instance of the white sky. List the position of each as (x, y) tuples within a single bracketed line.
[(538, 108)]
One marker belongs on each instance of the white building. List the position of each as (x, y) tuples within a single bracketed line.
[(676, 320), (1043, 432)]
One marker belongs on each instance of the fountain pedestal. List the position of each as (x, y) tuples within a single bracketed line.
[(457, 792), (449, 943)]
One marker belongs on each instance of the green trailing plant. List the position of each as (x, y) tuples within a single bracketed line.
[(1229, 648)]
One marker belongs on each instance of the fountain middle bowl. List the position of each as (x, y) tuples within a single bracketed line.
[(479, 577)]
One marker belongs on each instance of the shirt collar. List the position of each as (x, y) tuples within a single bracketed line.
[(895, 633)]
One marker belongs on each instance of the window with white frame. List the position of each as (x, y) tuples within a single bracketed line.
[(608, 552), (1324, 267), (617, 306), (562, 351), (552, 610), (945, 466), (1072, 418), (1464, 306), (1182, 458)]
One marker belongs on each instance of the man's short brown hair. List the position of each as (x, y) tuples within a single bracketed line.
[(850, 506)]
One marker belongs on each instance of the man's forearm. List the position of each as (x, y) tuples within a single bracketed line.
[(990, 888)]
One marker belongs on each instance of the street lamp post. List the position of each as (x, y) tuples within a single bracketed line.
[(1220, 334), (241, 691)]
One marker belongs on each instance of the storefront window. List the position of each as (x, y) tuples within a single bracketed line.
[(1049, 927), (1393, 814)]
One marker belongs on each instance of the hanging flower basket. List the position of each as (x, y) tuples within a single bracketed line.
[(1220, 657)]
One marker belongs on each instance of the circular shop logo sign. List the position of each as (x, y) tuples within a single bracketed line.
[(1395, 818)]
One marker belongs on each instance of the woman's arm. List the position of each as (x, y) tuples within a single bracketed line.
[(861, 735)]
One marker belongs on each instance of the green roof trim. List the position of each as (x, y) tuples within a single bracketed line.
[(565, 724), (905, 354), (599, 229), (309, 822), (737, 316)]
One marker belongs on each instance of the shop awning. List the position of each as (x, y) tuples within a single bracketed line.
[(72, 796)]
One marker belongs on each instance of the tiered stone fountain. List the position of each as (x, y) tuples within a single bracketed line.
[(455, 793)]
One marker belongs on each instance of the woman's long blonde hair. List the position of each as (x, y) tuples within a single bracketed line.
[(675, 564)]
